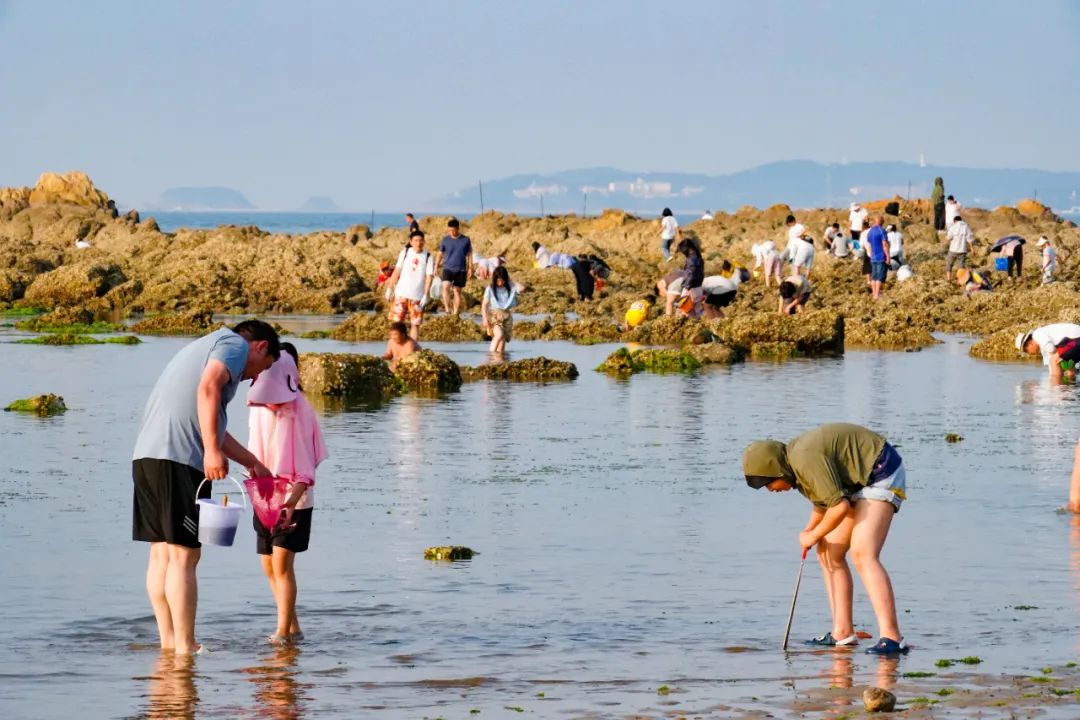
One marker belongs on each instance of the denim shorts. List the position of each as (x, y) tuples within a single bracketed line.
[(892, 489), (878, 271)]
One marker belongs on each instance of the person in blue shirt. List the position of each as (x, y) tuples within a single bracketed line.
[(455, 259), (877, 241)]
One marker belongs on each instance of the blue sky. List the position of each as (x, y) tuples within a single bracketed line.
[(385, 104)]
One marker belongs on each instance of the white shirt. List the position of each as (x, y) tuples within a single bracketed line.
[(857, 218), (795, 232), (414, 271), (896, 241), (1050, 336), (668, 226), (952, 209), (960, 237), (707, 216), (1049, 258), (800, 253), (719, 285)]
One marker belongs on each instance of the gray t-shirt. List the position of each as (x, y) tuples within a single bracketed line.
[(170, 425)]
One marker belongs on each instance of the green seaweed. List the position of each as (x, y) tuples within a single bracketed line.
[(67, 328), (1047, 671), (921, 700), (919, 674), (22, 312), (1025, 607), (953, 438), (663, 690), (69, 339), (123, 340), (944, 663), (41, 405), (970, 660), (945, 692), (626, 362)]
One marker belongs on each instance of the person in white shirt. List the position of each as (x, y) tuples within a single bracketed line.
[(768, 259), (669, 231), (952, 211), (1049, 260), (708, 215), (857, 220), (719, 292), (410, 284), (799, 251), (896, 246), (960, 239), (835, 242), (1045, 340)]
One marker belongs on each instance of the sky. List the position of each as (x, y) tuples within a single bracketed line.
[(381, 105)]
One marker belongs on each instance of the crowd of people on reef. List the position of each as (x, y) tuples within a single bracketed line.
[(853, 477)]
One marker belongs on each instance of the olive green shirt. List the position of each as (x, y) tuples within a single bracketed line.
[(833, 462)]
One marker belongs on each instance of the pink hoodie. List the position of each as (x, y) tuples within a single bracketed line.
[(286, 440)]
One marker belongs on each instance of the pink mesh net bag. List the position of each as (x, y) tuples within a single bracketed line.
[(268, 496)]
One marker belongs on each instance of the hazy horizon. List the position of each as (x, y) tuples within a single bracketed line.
[(390, 106)]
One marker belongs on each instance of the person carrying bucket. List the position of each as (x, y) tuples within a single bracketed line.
[(182, 441), (284, 434), (856, 482)]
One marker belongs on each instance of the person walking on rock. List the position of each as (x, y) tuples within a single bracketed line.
[(1013, 252), (182, 441), (410, 284), (877, 241), (960, 239), (1049, 260), (669, 231), (937, 199), (952, 211), (856, 482), (455, 259)]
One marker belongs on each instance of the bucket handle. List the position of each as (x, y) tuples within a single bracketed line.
[(243, 492)]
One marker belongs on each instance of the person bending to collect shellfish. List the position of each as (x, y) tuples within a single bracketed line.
[(856, 482)]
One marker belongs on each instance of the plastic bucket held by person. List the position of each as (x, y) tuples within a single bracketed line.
[(218, 522)]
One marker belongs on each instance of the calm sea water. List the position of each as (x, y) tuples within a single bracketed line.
[(298, 223), (620, 549)]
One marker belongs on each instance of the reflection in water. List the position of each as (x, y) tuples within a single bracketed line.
[(278, 695), (171, 690)]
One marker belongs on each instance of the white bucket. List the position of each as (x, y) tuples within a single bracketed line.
[(218, 523)]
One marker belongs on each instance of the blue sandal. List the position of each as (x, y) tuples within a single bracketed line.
[(888, 646)]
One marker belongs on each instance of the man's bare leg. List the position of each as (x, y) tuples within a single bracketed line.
[(182, 594), (155, 588)]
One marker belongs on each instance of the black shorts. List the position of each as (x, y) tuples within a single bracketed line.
[(164, 502), (295, 540), (866, 264), (457, 277), (855, 234), (721, 299)]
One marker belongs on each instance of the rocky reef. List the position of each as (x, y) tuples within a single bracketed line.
[(41, 405), (429, 371), (132, 268), (687, 359), (193, 322), (538, 369), (348, 375)]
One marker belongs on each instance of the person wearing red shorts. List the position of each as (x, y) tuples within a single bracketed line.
[(410, 284)]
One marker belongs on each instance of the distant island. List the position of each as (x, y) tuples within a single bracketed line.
[(798, 183), (194, 199), (319, 204)]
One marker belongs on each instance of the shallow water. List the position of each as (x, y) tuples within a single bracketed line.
[(619, 548)]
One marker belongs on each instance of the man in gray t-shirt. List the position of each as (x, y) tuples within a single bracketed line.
[(181, 441)]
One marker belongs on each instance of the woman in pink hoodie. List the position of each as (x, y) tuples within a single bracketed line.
[(284, 435)]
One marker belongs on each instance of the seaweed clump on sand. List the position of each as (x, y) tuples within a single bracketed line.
[(192, 322), (77, 339), (362, 327), (628, 362), (348, 375), (814, 333), (450, 328), (449, 552), (585, 332), (41, 405), (538, 369), (429, 370), (73, 321)]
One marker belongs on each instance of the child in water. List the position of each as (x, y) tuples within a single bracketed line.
[(399, 346), (285, 437)]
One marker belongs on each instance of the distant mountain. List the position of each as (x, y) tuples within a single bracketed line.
[(201, 198), (319, 204), (798, 183)]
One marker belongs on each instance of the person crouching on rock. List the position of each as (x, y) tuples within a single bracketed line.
[(639, 310), (856, 482), (284, 434), (399, 346), (410, 284), (500, 297), (794, 294), (719, 291), (973, 282)]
